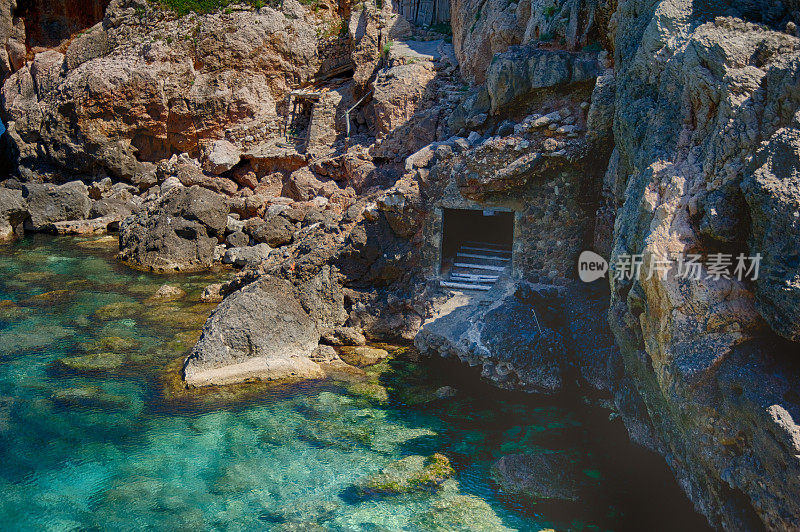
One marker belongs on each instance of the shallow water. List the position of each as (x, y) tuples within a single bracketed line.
[(112, 441)]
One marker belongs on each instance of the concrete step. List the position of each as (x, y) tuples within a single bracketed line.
[(479, 266), (485, 257), (486, 250), (482, 276), (465, 286)]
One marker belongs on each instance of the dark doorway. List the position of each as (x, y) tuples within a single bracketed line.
[(472, 235)]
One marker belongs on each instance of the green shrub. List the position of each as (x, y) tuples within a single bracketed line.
[(184, 7), (549, 11)]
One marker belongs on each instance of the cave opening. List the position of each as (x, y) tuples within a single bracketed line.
[(476, 246), (48, 23)]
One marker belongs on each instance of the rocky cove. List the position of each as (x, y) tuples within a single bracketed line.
[(334, 179)]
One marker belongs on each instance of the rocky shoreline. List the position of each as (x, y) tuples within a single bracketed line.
[(646, 128)]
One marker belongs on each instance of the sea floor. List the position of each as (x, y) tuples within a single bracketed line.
[(96, 432)]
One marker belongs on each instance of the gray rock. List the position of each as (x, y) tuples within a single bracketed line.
[(773, 195), (247, 256), (13, 213), (275, 231), (237, 239), (223, 156), (260, 332), (523, 69), (518, 339), (177, 232), (49, 203)]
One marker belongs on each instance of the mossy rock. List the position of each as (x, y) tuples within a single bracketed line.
[(119, 310), (34, 276), (94, 362), (10, 310), (177, 317), (112, 343), (410, 474), (362, 355), (368, 390), (459, 512), (53, 297)]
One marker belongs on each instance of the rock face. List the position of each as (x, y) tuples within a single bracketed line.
[(707, 145), (177, 232), (258, 333), (13, 213)]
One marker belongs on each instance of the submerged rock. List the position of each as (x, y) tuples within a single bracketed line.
[(260, 332), (540, 476), (410, 474), (459, 512), (362, 355), (90, 397), (167, 293), (94, 362)]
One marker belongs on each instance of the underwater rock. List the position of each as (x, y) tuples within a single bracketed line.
[(119, 310), (540, 476), (368, 390), (455, 511), (362, 355), (53, 297), (167, 293), (94, 362), (89, 396), (410, 474), (112, 343)]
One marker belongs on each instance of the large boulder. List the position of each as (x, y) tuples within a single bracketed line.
[(48, 203), (518, 339), (258, 333), (177, 232), (13, 212)]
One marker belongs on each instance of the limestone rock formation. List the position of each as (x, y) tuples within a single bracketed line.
[(707, 369), (258, 333)]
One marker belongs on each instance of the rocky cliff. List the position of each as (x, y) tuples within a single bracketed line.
[(653, 128)]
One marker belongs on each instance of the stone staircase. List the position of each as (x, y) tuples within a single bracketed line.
[(477, 266)]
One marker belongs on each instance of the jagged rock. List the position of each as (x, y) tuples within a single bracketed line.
[(237, 239), (13, 212), (179, 231), (275, 231), (49, 203), (169, 95), (343, 336), (773, 195), (260, 332), (212, 293)]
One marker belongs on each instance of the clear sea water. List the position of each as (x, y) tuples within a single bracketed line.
[(112, 441)]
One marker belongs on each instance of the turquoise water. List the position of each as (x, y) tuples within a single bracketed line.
[(112, 441)]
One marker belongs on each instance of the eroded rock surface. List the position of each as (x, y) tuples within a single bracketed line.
[(258, 333)]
